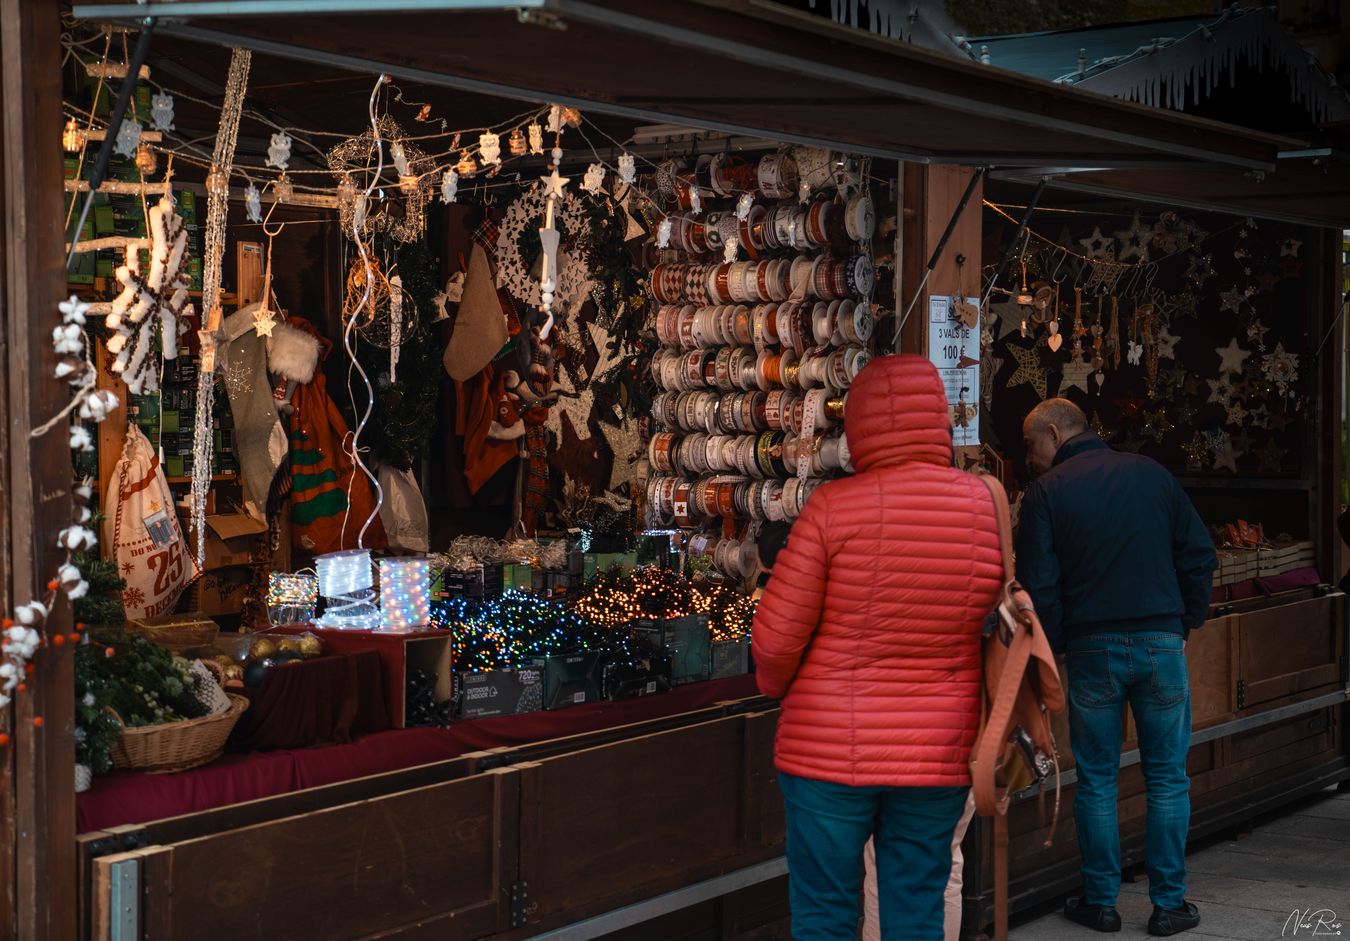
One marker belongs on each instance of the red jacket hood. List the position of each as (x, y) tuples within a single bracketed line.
[(897, 412)]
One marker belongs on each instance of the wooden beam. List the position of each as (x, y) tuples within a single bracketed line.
[(37, 861)]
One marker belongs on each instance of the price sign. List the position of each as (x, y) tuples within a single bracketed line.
[(954, 349)]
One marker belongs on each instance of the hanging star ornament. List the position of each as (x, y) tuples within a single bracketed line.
[(1232, 299), (1096, 245), (1256, 333), (1134, 241), (1280, 368), (1196, 452), (1220, 390), (1201, 270), (263, 322), (1006, 317), (1231, 357), (1225, 458), (554, 184), (1029, 369), (1075, 375), (1167, 343), (1237, 414), (1289, 248), (1156, 425)]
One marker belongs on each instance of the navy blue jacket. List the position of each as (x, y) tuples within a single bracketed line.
[(1110, 542)]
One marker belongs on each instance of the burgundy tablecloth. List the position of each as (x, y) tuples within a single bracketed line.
[(326, 701), (127, 797)]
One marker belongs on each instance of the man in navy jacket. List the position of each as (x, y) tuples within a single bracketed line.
[(1120, 568)]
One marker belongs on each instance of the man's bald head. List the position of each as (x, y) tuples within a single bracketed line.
[(1047, 427), (1069, 418)]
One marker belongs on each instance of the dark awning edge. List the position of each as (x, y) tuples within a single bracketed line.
[(773, 42)]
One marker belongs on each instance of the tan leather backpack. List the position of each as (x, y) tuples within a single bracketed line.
[(1015, 747)]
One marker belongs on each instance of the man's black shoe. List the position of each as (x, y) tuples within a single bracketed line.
[(1092, 916), (1168, 921)]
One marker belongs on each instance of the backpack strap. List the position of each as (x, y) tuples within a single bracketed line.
[(1004, 514)]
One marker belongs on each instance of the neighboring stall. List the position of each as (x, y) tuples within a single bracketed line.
[(609, 335)]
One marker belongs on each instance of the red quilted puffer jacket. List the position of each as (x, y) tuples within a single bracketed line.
[(869, 627)]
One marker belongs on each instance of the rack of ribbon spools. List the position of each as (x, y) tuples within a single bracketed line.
[(764, 316)]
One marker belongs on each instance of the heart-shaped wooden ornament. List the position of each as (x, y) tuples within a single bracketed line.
[(1055, 341)]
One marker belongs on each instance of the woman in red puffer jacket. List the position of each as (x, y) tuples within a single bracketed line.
[(869, 634)]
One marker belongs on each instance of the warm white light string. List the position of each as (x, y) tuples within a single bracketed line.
[(348, 330)]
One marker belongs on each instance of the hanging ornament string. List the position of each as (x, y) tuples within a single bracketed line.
[(217, 207), (349, 328)]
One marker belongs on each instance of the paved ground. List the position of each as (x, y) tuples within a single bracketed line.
[(1247, 889)]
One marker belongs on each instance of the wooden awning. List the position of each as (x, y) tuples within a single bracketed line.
[(742, 66)]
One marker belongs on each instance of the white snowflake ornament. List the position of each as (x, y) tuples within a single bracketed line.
[(253, 204), (595, 178), (627, 168), (489, 149), (279, 153), (663, 233), (161, 112), (449, 185), (128, 138)]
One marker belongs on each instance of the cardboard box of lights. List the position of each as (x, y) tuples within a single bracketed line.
[(764, 315)]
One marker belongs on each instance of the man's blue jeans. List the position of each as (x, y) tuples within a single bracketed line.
[(827, 827), (1149, 672)]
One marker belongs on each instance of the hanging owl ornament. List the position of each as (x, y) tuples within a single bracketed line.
[(160, 294), (449, 185), (279, 153), (253, 204), (161, 112), (595, 178), (489, 149), (128, 138), (627, 168)]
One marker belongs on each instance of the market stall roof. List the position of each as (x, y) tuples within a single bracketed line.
[(740, 66)]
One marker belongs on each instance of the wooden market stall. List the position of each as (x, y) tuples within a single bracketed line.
[(651, 827)]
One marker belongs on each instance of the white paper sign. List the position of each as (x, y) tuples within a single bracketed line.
[(950, 343)]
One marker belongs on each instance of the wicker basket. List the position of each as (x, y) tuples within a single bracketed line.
[(176, 632), (176, 746)]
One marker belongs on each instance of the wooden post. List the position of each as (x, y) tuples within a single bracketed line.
[(37, 801)]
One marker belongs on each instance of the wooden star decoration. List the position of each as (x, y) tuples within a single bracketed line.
[(1075, 375), (1185, 305), (1256, 333), (1134, 241), (1167, 343), (624, 445), (1236, 414), (1242, 443), (1029, 369), (1260, 417), (1232, 357), (1096, 245), (1006, 317), (263, 322), (1289, 248), (554, 184), (1232, 299), (1271, 457)]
